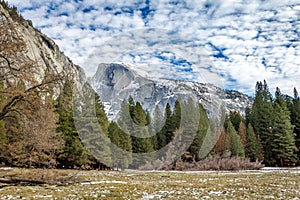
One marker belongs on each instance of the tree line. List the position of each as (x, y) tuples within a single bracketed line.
[(46, 135), (276, 122), (268, 132)]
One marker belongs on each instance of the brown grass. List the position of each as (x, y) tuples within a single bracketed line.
[(162, 185)]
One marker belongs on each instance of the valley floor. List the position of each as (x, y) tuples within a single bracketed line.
[(269, 183)]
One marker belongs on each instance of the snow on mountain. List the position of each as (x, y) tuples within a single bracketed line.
[(116, 82)]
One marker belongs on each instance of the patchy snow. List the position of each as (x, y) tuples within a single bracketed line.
[(115, 82), (102, 182), (42, 196), (5, 168)]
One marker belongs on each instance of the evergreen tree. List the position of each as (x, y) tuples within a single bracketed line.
[(131, 106), (248, 116), (236, 146), (100, 113), (125, 121), (148, 119), (296, 96), (295, 119), (191, 133), (121, 146), (152, 135), (93, 128), (252, 148), (177, 115), (73, 152), (235, 118), (141, 141), (262, 119), (158, 126), (139, 115), (201, 133), (168, 128), (283, 143)]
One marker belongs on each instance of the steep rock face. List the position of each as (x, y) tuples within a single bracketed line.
[(115, 82), (42, 51)]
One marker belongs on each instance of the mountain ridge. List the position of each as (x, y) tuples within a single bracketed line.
[(116, 82)]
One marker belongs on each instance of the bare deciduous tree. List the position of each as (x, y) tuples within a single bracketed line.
[(16, 65), (26, 103)]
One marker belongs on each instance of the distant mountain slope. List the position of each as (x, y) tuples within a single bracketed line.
[(115, 82)]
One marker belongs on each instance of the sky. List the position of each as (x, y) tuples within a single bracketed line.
[(230, 43)]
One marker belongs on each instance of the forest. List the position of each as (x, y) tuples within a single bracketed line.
[(43, 133)]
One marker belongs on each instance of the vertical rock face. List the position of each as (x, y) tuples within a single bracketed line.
[(116, 82), (42, 51)]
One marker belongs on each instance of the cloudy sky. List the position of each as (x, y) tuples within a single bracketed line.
[(231, 43)]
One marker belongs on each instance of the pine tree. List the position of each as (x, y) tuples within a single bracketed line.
[(235, 118), (73, 152), (248, 116), (168, 128), (190, 127), (295, 119), (93, 128), (283, 143), (131, 106), (236, 146), (201, 133), (139, 115), (176, 118), (262, 119), (125, 121), (148, 119), (152, 135), (121, 147), (100, 113), (252, 148), (141, 141), (156, 129), (114, 135)]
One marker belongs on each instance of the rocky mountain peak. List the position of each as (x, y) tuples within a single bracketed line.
[(116, 82)]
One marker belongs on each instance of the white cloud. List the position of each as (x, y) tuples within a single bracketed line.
[(260, 39)]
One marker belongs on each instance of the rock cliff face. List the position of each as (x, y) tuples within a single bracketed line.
[(115, 82), (42, 51)]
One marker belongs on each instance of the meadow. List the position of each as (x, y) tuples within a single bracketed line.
[(75, 184)]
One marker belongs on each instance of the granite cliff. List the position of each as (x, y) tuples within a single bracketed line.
[(115, 82)]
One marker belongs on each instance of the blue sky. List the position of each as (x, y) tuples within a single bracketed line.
[(231, 43)]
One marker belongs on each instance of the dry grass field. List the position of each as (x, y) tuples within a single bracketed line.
[(72, 184)]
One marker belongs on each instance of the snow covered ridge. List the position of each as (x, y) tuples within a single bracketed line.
[(116, 82)]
